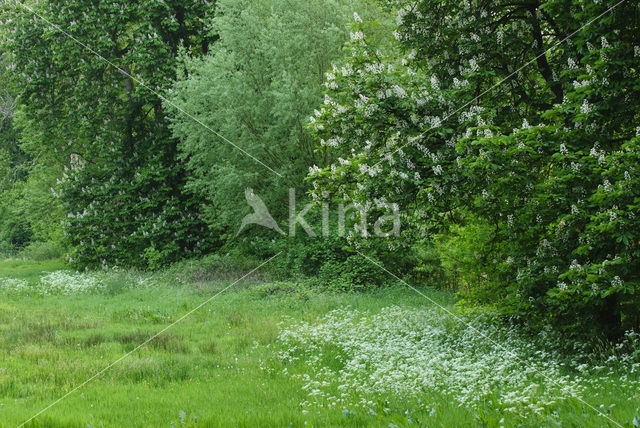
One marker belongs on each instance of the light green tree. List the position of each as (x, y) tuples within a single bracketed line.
[(257, 88)]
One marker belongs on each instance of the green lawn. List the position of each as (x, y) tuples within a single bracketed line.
[(218, 367)]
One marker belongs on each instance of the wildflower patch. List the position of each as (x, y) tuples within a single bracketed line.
[(414, 353)]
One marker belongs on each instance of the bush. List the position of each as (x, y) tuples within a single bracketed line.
[(41, 251), (6, 250), (225, 264), (16, 232), (323, 262), (462, 253), (355, 273)]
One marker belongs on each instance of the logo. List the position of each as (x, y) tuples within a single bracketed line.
[(260, 215)]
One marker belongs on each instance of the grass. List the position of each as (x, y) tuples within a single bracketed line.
[(218, 367), (28, 270)]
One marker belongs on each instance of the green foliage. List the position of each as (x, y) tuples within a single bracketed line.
[(326, 263), (545, 161), (462, 253), (517, 184), (28, 210), (15, 229), (355, 273)]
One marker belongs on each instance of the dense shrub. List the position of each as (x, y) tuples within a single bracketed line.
[(16, 232), (518, 184), (41, 251)]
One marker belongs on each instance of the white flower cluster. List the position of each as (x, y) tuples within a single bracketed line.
[(13, 284), (409, 352), (66, 283), (61, 282), (357, 35)]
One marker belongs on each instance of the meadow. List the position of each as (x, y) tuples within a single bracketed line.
[(154, 153), (267, 353)]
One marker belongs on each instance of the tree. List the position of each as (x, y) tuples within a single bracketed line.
[(15, 228), (544, 156), (90, 74), (257, 88)]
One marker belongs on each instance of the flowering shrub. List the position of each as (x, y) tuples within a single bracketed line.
[(542, 160), (411, 352)]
